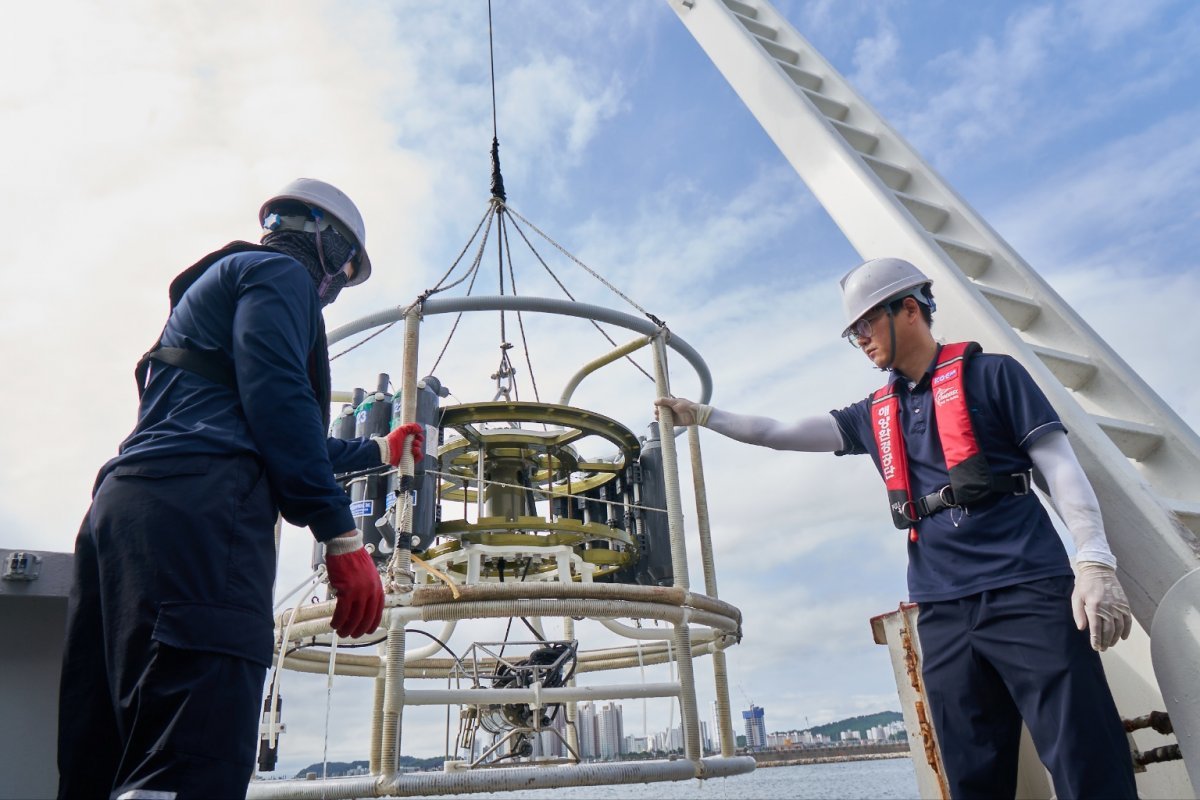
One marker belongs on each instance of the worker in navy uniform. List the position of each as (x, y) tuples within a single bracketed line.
[(169, 624), (1008, 631)]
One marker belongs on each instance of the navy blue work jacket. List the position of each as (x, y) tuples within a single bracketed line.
[(1001, 541), (260, 310)]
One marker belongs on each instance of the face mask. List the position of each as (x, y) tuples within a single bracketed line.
[(329, 287), (333, 250)]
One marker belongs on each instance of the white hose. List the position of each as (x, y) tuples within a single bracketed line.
[(679, 565), (499, 779)]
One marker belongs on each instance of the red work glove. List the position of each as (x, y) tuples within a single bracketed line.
[(353, 576), (395, 443)]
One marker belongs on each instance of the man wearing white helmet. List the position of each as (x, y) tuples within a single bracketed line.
[(169, 622), (955, 434)]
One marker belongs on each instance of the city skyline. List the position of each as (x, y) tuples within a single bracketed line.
[(1066, 123)]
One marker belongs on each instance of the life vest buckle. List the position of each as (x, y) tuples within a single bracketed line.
[(908, 510), (936, 501), (946, 495)]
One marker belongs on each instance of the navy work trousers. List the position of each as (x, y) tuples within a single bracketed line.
[(1000, 656), (168, 630)]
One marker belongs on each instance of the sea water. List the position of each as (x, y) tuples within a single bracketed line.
[(881, 779)]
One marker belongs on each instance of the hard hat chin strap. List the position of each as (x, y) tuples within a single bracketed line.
[(892, 334)]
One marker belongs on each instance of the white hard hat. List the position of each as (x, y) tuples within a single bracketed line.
[(332, 201), (874, 282)]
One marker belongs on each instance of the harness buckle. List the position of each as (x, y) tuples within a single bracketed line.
[(1022, 479), (909, 510), (946, 495)]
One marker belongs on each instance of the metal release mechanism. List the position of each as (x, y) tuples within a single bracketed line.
[(22, 566)]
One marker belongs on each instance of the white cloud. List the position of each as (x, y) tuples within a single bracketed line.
[(1116, 199), (875, 61), (1106, 21), (983, 92), (136, 141)]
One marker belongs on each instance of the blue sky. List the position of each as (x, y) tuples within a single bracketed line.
[(136, 141)]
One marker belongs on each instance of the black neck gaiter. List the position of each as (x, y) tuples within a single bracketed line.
[(303, 247)]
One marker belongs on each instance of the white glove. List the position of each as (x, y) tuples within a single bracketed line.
[(1099, 604), (684, 411)]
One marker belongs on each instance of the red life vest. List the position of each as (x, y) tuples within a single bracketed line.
[(970, 478)]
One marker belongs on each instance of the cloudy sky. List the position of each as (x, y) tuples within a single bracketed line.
[(138, 138)]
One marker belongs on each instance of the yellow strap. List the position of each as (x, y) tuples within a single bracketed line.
[(434, 571)]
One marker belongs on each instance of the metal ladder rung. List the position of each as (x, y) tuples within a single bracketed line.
[(860, 140), (1135, 439), (1072, 371), (971, 260), (827, 105), (932, 217), (756, 27), (1188, 512), (779, 52), (894, 177), (741, 8), (805, 80), (1018, 311)]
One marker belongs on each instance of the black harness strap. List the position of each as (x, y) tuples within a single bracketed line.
[(206, 364), (1017, 483)]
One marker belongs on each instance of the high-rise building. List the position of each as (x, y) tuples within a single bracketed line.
[(552, 737), (610, 729), (587, 729), (756, 727)]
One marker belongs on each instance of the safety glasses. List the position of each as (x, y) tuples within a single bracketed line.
[(862, 327)]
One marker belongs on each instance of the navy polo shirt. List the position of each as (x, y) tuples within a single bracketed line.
[(1001, 541)]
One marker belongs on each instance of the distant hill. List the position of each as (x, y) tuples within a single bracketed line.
[(833, 729), (338, 768)]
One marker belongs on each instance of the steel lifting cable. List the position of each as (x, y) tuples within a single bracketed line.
[(500, 273), (589, 270), (497, 178), (473, 273), (503, 234), (498, 205), (500, 201), (570, 296), (437, 287)]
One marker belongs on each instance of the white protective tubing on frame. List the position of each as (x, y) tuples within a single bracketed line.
[(392, 710), (720, 669), (651, 634), (538, 697), (543, 305), (666, 425), (501, 779), (371, 666), (545, 607)]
